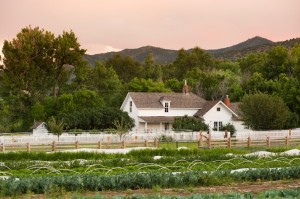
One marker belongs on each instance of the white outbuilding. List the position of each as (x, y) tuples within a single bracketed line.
[(39, 128)]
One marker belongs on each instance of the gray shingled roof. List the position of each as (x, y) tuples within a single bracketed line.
[(178, 100), (235, 108), (207, 106), (36, 124)]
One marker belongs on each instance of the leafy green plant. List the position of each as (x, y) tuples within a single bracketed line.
[(165, 138), (189, 123), (230, 128)]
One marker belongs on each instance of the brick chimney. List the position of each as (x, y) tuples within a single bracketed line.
[(185, 89), (227, 101)]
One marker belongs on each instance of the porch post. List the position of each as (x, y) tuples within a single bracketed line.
[(146, 126)]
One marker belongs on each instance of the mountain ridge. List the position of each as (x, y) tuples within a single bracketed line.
[(167, 56)]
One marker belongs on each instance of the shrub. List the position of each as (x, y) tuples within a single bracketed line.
[(229, 127), (189, 123), (165, 138), (264, 112)]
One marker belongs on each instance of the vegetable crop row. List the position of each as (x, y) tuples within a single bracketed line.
[(139, 155), (93, 182)]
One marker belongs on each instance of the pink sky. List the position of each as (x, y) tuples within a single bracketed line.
[(106, 25)]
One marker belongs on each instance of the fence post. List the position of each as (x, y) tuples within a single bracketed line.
[(53, 146), (99, 144), (28, 147), (208, 142), (290, 132), (146, 143), (155, 142), (286, 141), (108, 142), (229, 142), (249, 142), (77, 145), (3, 147), (136, 138), (123, 144), (200, 139), (268, 142)]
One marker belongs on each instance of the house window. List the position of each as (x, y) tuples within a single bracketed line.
[(166, 126), (215, 126), (218, 109), (130, 106), (220, 126), (166, 107)]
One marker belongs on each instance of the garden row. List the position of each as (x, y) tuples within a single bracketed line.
[(44, 172), (95, 182)]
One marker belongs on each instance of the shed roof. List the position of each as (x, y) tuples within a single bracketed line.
[(37, 124)]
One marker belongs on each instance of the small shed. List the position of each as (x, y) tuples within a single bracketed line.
[(39, 128)]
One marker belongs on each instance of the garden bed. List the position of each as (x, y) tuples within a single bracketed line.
[(163, 169)]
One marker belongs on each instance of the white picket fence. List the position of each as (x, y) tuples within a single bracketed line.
[(142, 136)]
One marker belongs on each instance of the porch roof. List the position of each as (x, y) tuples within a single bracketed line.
[(157, 119)]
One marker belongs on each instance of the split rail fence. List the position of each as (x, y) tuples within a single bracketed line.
[(205, 141)]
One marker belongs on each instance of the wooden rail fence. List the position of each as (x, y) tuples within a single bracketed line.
[(205, 141)]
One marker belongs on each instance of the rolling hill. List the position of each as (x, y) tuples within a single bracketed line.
[(166, 56)]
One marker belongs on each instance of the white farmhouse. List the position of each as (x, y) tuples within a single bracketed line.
[(157, 111), (39, 128)]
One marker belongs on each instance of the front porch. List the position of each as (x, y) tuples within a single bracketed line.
[(156, 123)]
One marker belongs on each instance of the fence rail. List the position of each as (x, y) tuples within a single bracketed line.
[(204, 141)]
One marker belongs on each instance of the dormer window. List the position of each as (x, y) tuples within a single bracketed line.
[(130, 106), (166, 107)]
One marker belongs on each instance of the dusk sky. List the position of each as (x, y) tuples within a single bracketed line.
[(107, 25)]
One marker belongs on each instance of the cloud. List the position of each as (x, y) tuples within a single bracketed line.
[(96, 48)]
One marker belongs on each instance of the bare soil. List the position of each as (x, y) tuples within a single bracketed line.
[(255, 188)]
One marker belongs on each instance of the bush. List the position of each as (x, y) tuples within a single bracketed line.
[(229, 127), (189, 123), (165, 138), (264, 112)]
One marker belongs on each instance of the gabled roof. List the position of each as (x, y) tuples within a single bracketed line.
[(37, 124), (209, 105), (178, 100)]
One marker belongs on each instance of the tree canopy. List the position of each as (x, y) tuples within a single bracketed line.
[(264, 112)]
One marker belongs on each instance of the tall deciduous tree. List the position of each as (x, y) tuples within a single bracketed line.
[(277, 62), (106, 83), (264, 112), (126, 67), (38, 63), (185, 62), (295, 61), (143, 85)]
